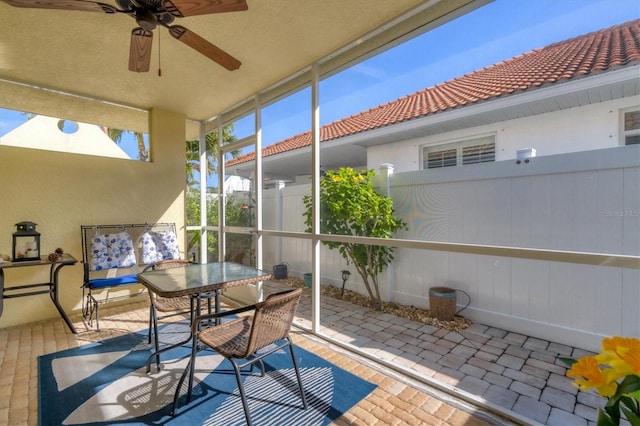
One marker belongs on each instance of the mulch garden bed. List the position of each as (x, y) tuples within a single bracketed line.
[(409, 312)]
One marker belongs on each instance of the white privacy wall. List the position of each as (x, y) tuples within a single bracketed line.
[(296, 253), (586, 201), (283, 210)]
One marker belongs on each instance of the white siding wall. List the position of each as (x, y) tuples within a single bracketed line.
[(586, 201), (577, 129)]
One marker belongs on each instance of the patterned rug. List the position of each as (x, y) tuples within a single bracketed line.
[(106, 383)]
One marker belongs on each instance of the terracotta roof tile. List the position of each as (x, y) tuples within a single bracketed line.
[(574, 58)]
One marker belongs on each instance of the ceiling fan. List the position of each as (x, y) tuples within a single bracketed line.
[(149, 14)]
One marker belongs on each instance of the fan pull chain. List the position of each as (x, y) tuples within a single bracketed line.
[(159, 69)]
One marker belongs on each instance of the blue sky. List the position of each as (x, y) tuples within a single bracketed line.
[(495, 32)]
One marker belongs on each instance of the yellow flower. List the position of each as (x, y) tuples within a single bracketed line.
[(336, 178), (622, 354), (619, 361), (589, 375)]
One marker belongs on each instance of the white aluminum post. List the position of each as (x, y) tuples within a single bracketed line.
[(315, 191), (222, 197), (202, 151), (279, 213), (258, 188), (386, 172)]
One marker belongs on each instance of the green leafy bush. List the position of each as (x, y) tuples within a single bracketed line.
[(349, 205)]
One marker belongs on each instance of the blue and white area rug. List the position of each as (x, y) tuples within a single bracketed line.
[(106, 383)]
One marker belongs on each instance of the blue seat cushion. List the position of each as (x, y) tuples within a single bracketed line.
[(113, 282)]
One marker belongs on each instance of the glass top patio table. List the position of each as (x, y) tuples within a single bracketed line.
[(200, 278), (195, 280)]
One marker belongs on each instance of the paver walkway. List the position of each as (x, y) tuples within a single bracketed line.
[(509, 372)]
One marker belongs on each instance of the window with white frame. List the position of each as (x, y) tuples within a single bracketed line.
[(460, 153), (631, 127)]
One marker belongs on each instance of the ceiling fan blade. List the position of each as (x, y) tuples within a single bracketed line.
[(140, 50), (182, 8), (88, 6), (212, 52)]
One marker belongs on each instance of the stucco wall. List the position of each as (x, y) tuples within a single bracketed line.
[(62, 191), (577, 129)]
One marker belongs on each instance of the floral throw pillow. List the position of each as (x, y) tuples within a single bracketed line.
[(149, 250), (98, 253), (157, 246), (112, 251)]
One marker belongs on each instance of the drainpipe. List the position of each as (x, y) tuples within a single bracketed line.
[(386, 173)]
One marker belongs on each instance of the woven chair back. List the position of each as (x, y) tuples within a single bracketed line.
[(169, 264), (166, 304), (272, 319)]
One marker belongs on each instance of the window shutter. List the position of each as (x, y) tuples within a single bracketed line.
[(470, 151), (444, 158), (483, 153), (632, 140), (632, 128)]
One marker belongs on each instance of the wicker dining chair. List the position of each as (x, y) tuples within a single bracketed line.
[(247, 339), (174, 305)]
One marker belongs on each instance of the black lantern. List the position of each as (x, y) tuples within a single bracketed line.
[(345, 277), (26, 242)]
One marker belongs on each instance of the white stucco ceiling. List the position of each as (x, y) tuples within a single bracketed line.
[(86, 53)]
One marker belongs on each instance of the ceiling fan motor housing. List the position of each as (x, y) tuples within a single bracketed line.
[(147, 13), (146, 19)]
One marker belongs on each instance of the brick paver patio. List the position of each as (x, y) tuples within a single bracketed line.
[(511, 373)]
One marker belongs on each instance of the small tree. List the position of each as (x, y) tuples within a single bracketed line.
[(349, 205)]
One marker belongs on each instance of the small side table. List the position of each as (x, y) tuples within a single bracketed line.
[(51, 286)]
